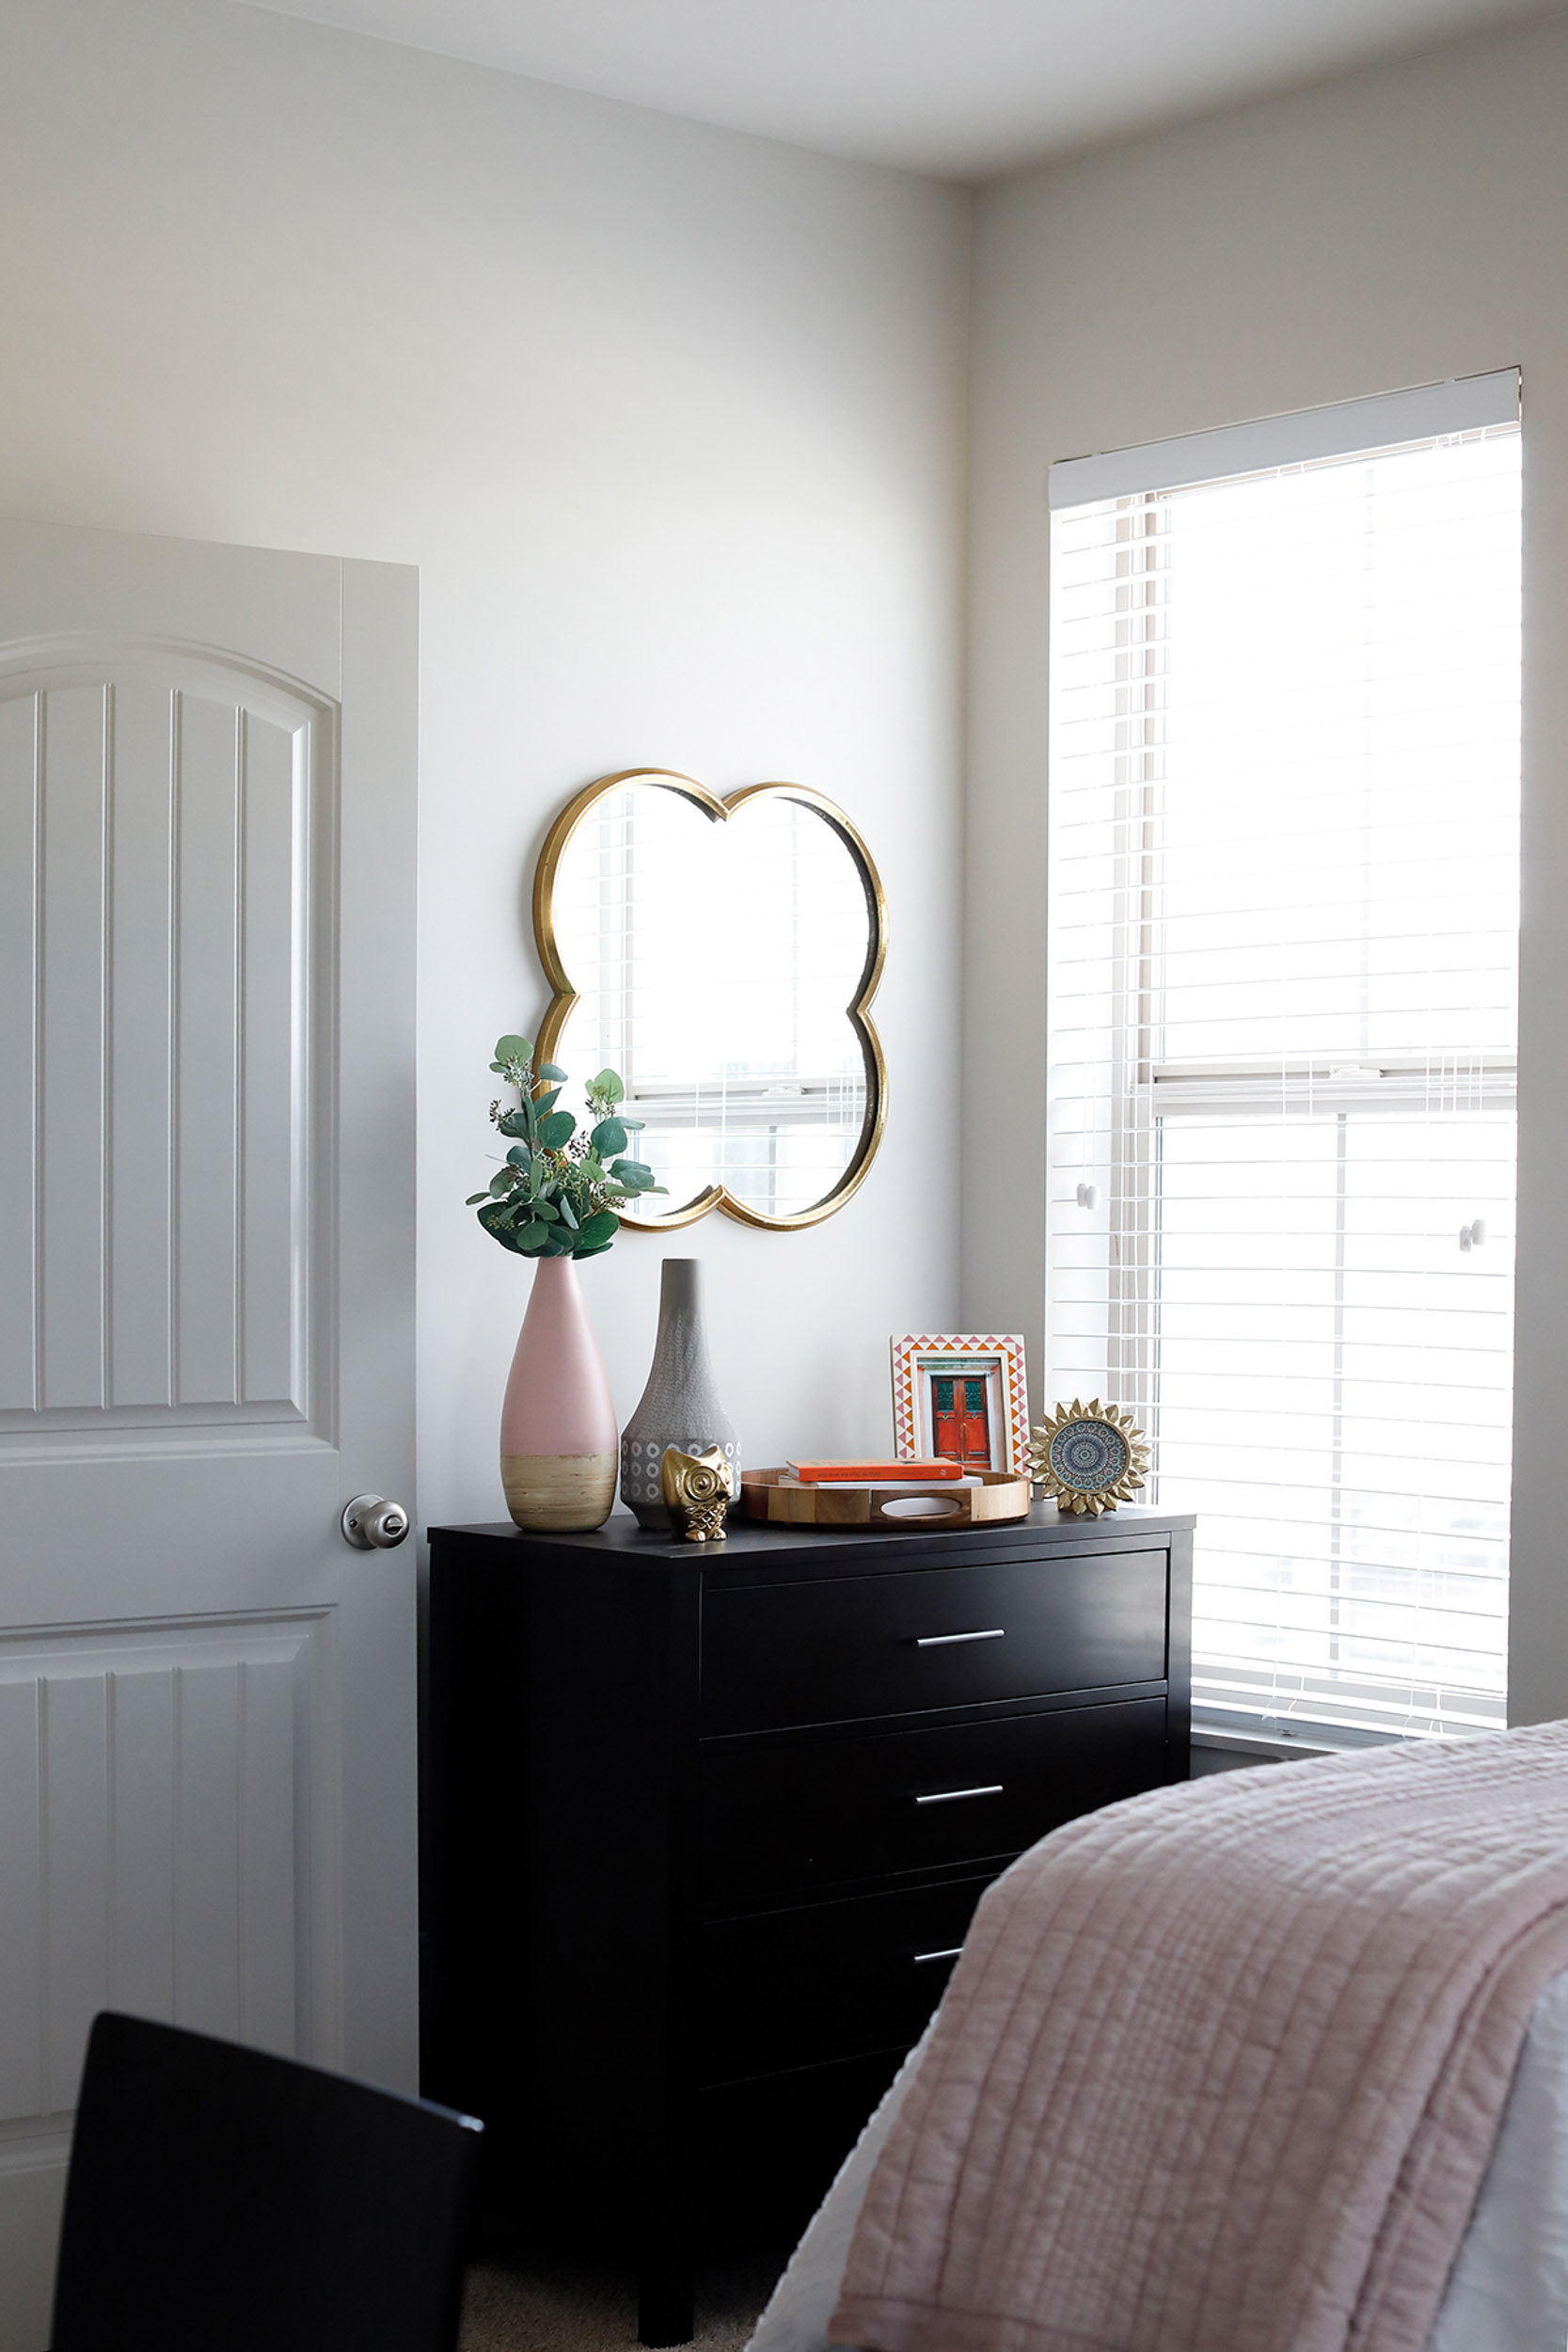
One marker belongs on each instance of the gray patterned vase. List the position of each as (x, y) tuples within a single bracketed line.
[(680, 1405)]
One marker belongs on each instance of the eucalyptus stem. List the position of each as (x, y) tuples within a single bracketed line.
[(557, 1192)]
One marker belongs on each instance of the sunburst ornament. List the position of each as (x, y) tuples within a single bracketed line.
[(1089, 1456)]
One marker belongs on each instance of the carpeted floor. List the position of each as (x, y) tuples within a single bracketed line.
[(528, 2304)]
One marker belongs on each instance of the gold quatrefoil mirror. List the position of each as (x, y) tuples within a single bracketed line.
[(720, 954)]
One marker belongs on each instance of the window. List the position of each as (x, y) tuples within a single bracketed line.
[(1284, 919)]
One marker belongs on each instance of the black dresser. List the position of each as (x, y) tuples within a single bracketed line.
[(705, 1827)]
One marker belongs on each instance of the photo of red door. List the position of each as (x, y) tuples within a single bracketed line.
[(960, 1422)]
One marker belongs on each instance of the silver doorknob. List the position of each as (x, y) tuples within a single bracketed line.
[(370, 1523)]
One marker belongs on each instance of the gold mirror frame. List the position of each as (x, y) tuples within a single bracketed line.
[(565, 996)]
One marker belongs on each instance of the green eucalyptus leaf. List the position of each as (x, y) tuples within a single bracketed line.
[(535, 1204), (635, 1125), (492, 1218), (597, 1251)]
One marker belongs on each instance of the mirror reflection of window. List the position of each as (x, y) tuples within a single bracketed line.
[(715, 964)]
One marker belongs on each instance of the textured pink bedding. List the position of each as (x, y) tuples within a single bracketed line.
[(1220, 2068)]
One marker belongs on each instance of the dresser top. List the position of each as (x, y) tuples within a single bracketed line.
[(806, 1551)]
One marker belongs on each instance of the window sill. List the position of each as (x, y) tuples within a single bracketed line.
[(1279, 1747)]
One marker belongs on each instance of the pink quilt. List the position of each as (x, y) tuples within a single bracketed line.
[(1220, 2068)]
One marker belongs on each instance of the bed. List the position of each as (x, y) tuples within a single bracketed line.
[(1507, 2290)]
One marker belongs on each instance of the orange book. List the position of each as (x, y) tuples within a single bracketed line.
[(872, 1474)]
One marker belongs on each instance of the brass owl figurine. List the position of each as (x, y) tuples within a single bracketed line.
[(698, 1490)]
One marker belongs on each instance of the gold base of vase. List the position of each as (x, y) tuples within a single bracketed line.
[(560, 1494)]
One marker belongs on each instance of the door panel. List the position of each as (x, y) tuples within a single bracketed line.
[(160, 1035), (153, 1781), (207, 1726)]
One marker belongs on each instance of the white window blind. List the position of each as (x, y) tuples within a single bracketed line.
[(1283, 922)]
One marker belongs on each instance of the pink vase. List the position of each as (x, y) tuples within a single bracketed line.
[(559, 1439)]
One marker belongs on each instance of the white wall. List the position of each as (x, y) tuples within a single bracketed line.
[(1397, 227), (671, 421)]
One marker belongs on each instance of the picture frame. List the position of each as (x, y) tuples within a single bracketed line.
[(961, 1396)]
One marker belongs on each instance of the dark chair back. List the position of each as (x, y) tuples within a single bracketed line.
[(220, 2200)]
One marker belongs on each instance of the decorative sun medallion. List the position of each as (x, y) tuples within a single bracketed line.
[(1089, 1456)]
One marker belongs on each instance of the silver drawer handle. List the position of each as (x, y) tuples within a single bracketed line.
[(940, 1641), (952, 1953), (951, 1796)]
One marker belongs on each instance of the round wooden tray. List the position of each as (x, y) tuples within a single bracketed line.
[(899, 1506)]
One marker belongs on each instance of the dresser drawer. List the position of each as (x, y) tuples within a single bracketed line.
[(865, 1645), (803, 1816), (786, 1988)]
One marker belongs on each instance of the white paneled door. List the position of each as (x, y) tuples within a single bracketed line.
[(207, 1697)]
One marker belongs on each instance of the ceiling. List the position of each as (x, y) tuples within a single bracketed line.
[(964, 89)]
